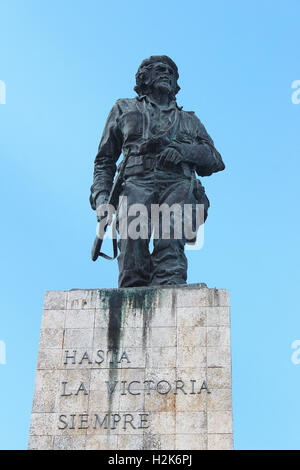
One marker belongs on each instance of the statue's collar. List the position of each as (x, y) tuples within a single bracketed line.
[(173, 104)]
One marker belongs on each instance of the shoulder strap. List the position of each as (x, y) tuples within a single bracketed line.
[(115, 250), (115, 245)]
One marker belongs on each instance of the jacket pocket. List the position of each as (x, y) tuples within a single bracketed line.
[(201, 198)]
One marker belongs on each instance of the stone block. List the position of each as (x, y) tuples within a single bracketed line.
[(49, 358), (219, 422), (69, 443), (51, 338), (80, 318), (191, 441), (40, 443), (55, 300), (220, 442), (53, 319)]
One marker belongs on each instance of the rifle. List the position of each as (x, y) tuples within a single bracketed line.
[(113, 200)]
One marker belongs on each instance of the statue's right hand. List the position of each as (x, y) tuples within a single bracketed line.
[(102, 198), (101, 202)]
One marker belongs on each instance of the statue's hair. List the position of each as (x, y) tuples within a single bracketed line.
[(142, 86)]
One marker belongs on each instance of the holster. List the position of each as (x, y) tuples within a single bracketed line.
[(135, 165)]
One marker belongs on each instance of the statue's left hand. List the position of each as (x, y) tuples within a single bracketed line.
[(170, 156), (181, 152)]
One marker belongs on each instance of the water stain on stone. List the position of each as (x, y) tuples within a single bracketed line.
[(174, 300), (118, 302)]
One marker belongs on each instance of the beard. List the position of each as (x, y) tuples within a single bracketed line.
[(163, 86)]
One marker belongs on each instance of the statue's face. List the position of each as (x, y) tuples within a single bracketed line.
[(163, 77)]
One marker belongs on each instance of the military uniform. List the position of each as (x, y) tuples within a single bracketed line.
[(141, 129)]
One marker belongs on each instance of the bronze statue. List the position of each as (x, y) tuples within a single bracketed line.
[(163, 148)]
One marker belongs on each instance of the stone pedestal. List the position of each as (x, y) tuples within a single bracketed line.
[(138, 368)]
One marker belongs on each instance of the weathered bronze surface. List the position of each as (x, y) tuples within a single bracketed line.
[(163, 148)]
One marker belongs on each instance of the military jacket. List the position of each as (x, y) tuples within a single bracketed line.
[(131, 123)]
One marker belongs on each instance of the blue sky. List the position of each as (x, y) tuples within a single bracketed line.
[(64, 64)]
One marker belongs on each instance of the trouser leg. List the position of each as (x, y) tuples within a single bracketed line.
[(169, 262), (168, 258), (134, 260)]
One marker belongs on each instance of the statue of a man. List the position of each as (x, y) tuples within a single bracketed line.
[(163, 147)]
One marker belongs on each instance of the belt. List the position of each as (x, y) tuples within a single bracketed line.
[(149, 163)]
